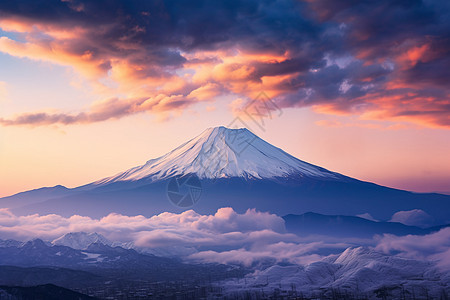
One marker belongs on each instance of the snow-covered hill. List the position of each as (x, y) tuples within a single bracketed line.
[(357, 272), (81, 240)]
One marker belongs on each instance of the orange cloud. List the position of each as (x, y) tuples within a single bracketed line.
[(56, 53), (414, 55), (206, 92)]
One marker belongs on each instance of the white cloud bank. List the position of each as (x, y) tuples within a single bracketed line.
[(188, 227), (224, 237), (434, 247)]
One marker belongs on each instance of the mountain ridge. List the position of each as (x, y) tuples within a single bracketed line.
[(311, 223), (247, 174)]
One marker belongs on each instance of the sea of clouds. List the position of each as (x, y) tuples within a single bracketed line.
[(223, 237)]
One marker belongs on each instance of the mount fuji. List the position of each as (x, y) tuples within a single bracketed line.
[(223, 153), (233, 168)]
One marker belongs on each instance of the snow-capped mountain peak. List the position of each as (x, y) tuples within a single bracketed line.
[(221, 152), (81, 240)]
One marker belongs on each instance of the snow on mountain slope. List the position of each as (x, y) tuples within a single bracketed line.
[(81, 240), (221, 152), (368, 270), (10, 243), (360, 271)]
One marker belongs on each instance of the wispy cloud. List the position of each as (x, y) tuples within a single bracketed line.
[(280, 252), (435, 246)]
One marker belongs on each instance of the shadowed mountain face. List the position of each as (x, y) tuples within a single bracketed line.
[(90, 264), (237, 169), (33, 196), (47, 291), (31, 276), (348, 226)]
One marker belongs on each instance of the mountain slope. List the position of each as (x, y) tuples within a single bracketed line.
[(34, 196), (347, 226), (356, 273), (80, 240), (222, 153), (29, 276), (240, 170), (47, 291)]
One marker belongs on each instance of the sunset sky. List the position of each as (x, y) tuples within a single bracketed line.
[(91, 88)]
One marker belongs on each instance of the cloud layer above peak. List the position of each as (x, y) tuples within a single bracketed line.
[(379, 60)]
